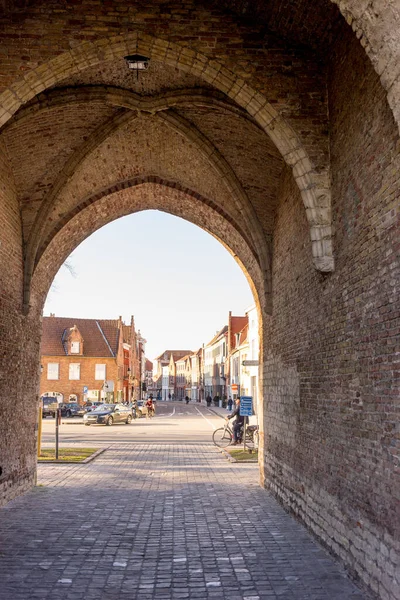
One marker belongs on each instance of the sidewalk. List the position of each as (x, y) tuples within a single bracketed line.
[(160, 522), (221, 412)]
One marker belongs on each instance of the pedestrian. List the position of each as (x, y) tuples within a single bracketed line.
[(238, 423), (208, 400), (230, 403), (187, 399), (169, 396)]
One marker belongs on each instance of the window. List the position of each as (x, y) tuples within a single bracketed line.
[(53, 371), (100, 372), (75, 347), (74, 371)]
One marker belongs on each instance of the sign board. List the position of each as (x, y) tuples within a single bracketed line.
[(250, 363), (234, 388), (85, 389), (246, 406)]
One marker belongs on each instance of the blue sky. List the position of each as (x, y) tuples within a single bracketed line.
[(176, 279)]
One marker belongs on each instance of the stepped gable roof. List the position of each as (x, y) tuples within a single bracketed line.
[(218, 334), (148, 365), (100, 336), (126, 333)]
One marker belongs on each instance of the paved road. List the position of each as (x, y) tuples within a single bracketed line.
[(174, 421), (159, 517)]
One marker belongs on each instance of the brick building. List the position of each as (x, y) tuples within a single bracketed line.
[(166, 374), (272, 125), (86, 359)]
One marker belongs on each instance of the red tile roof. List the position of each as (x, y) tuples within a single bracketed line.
[(236, 325), (100, 337), (148, 365), (243, 334), (177, 354)]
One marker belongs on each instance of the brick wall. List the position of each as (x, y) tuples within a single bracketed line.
[(331, 378), (87, 375), (19, 351)]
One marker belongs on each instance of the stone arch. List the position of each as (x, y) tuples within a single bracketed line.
[(147, 194), (314, 186)]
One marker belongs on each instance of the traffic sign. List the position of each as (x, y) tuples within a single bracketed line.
[(246, 406), (234, 388), (85, 389)]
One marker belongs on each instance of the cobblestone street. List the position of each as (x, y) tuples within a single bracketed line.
[(159, 521)]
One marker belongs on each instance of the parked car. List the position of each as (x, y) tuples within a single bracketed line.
[(49, 406), (108, 414), (72, 409), (92, 405)]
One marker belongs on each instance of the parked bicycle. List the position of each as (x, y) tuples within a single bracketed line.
[(223, 436)]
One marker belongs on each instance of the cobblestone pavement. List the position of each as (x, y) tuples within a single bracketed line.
[(159, 521)]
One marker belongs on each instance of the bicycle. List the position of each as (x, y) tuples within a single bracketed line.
[(223, 436), (150, 413)]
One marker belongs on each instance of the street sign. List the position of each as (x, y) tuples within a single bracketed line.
[(234, 388), (250, 363), (246, 406), (85, 389)]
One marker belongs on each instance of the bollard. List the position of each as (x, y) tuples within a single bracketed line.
[(58, 420), (39, 440)]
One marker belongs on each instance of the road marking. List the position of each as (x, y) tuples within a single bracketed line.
[(208, 421), (171, 415)]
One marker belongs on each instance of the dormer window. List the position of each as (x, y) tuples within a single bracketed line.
[(75, 347)]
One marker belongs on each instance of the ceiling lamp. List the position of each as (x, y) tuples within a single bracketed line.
[(137, 63)]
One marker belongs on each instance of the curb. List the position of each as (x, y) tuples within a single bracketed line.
[(228, 456), (74, 462), (231, 459)]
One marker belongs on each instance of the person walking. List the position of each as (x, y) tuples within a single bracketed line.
[(238, 423), (230, 404), (208, 400), (187, 399)]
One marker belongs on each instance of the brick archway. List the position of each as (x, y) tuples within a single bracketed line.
[(157, 107), (314, 185), (147, 194)]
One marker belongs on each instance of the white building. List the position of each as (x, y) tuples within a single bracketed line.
[(244, 358), (215, 353), (165, 382), (251, 366)]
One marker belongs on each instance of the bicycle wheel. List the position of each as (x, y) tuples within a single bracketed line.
[(222, 437)]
